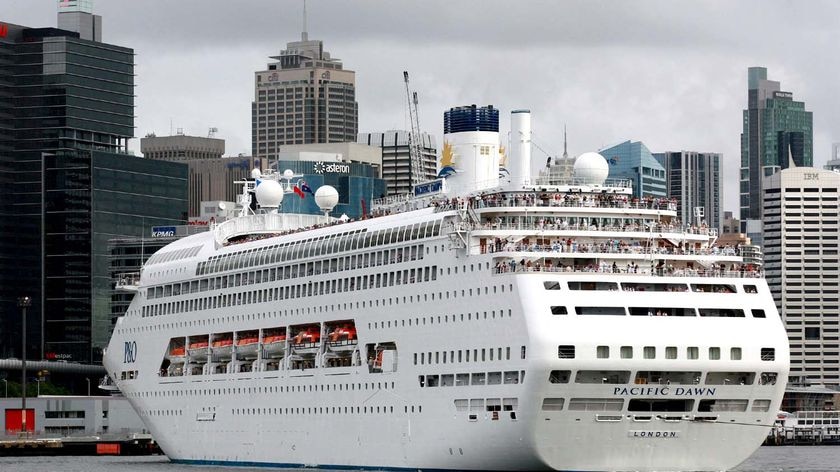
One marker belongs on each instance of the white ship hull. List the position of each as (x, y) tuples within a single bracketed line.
[(403, 415)]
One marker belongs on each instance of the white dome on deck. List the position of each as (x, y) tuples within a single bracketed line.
[(326, 197), (269, 194), (591, 168)]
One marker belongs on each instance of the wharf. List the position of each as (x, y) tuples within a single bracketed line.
[(132, 445)]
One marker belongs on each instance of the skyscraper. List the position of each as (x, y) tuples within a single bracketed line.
[(68, 185), (802, 267), (775, 127), (694, 181), (633, 161), (305, 97)]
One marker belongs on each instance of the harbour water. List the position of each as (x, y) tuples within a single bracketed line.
[(766, 459)]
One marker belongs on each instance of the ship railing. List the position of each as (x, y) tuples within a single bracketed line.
[(508, 268), (561, 226), (265, 225), (559, 200), (127, 281), (619, 248)]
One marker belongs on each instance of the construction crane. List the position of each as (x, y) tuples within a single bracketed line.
[(415, 148)]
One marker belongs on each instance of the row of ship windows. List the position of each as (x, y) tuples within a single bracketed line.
[(676, 377), (655, 405), (326, 410), (487, 354), (510, 377), (567, 351), (205, 392), (319, 247), (648, 287), (418, 321), (291, 271), (346, 284), (656, 311)]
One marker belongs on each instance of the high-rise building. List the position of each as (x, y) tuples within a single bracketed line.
[(633, 161), (396, 158), (802, 268), (68, 185), (693, 179), (211, 176), (776, 129), (834, 162), (305, 97)]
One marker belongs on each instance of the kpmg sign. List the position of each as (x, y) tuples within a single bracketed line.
[(163, 231)]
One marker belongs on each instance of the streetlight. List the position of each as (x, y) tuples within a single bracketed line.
[(23, 303), (6, 384)]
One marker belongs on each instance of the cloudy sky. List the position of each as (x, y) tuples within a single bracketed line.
[(669, 73)]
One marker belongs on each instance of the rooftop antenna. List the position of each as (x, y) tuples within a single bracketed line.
[(304, 36), (565, 149)]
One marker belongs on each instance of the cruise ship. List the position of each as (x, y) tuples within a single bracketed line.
[(509, 326)]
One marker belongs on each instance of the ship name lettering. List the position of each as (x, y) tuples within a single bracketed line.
[(653, 434), (663, 391)]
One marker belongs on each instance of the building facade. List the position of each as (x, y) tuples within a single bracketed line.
[(802, 267), (305, 97), (210, 176), (68, 185), (776, 130), (633, 161), (693, 179), (396, 158)]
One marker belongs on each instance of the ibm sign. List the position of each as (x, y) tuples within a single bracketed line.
[(163, 231)]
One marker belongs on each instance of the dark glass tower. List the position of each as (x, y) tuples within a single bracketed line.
[(68, 185), (775, 128)]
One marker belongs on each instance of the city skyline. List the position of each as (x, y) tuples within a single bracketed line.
[(664, 74)]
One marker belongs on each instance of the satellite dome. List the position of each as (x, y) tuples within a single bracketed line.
[(269, 194), (326, 197), (256, 173), (288, 174), (591, 168)]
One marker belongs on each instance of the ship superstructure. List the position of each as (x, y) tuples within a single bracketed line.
[(521, 327)]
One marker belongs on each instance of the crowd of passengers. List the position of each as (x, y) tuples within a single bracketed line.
[(612, 246), (562, 223), (659, 268)]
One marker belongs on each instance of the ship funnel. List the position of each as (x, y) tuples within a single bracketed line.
[(520, 147)]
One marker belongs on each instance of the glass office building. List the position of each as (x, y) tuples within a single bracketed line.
[(358, 184), (633, 161), (68, 185)]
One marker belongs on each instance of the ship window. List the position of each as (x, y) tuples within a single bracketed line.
[(659, 311), (692, 352), (566, 352), (671, 352), (462, 380), (714, 353), (761, 405), (730, 378), (559, 310), (552, 285), (722, 312), (607, 286), (559, 376), (461, 404), (447, 380), (768, 354), (602, 376), (750, 289), (735, 354), (601, 310), (553, 404), (722, 405), (478, 378), (626, 352), (758, 313), (667, 377), (602, 352), (715, 288), (476, 404), (646, 404), (494, 378), (768, 378), (653, 287), (649, 352), (596, 404)]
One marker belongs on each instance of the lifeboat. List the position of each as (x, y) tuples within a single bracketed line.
[(274, 345), (343, 338), (222, 347), (247, 346), (307, 341), (176, 354), (198, 350)]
